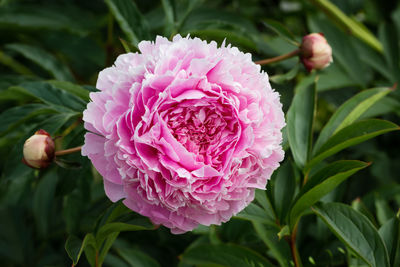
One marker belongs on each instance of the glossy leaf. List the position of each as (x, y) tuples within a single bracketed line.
[(228, 255), (300, 117), (43, 201), (390, 233), (170, 15), (279, 247), (63, 100), (355, 231), (281, 30), (114, 227), (254, 213), (74, 247), (15, 116), (321, 184), (137, 258), (44, 59), (72, 88), (33, 17), (351, 135), (130, 19), (349, 112), (284, 187)]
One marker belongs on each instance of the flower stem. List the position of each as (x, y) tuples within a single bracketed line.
[(68, 151), (278, 58), (293, 248)]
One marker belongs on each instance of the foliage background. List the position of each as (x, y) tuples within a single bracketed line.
[(50, 55)]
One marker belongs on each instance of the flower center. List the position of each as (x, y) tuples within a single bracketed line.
[(202, 130)]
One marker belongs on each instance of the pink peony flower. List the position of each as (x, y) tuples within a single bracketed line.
[(315, 51), (184, 131)]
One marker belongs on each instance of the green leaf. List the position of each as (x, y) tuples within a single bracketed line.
[(321, 184), (390, 233), (264, 201), (74, 246), (90, 248), (228, 255), (349, 112), (17, 115), (43, 201), (281, 78), (54, 123), (46, 17), (300, 118), (108, 242), (355, 231), (111, 228), (137, 258), (351, 135), (281, 30), (388, 36), (44, 59), (72, 88), (279, 247), (359, 206), (170, 16), (284, 185), (254, 213), (383, 211), (63, 100), (130, 19), (348, 24)]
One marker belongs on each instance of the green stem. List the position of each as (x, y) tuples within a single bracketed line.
[(278, 58), (293, 248)]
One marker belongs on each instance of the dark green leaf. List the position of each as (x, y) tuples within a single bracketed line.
[(389, 39), (137, 258), (321, 184), (284, 187), (300, 117), (114, 227), (383, 211), (108, 242), (390, 233), (15, 116), (228, 255), (63, 100), (30, 17), (254, 213), (43, 201), (72, 88), (281, 30), (349, 112), (54, 123), (351, 135), (280, 78), (44, 59), (170, 16), (130, 20), (279, 247), (355, 231)]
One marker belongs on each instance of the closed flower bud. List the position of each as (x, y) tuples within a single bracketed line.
[(39, 150), (315, 52)]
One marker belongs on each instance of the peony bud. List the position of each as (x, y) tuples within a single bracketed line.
[(315, 52), (39, 150)]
